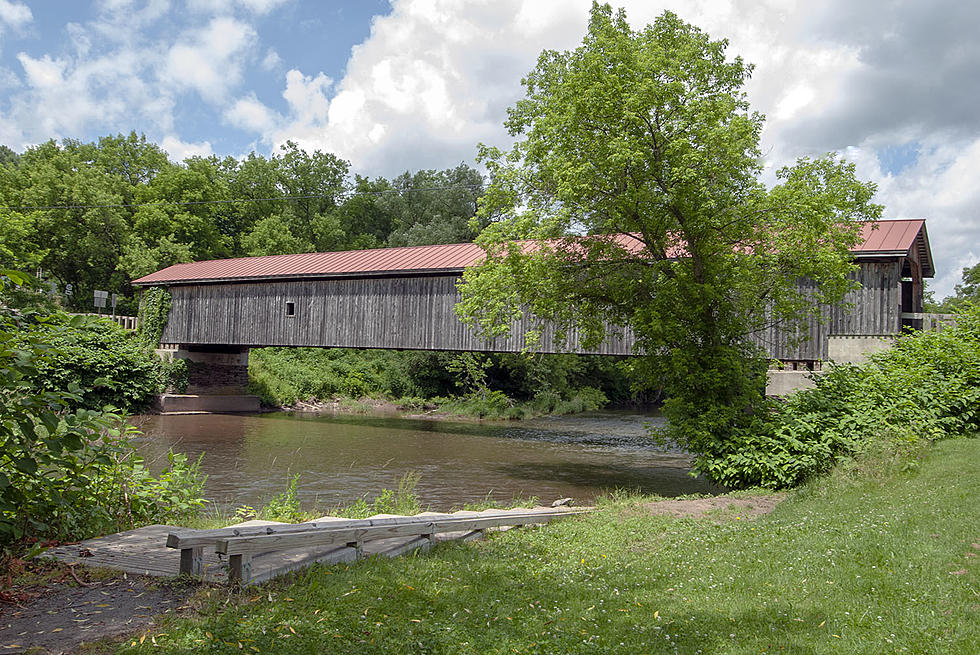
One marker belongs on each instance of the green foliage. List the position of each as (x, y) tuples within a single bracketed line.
[(154, 213), (139, 498), (434, 206), (285, 506), (27, 295), (176, 375), (927, 387), (470, 370), (106, 364), (649, 133), (282, 376), (402, 500), (67, 472), (813, 577), (153, 313), (497, 386)]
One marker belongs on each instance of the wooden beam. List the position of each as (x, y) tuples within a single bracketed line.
[(327, 535)]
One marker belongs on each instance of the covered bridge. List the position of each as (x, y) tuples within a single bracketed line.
[(403, 298)]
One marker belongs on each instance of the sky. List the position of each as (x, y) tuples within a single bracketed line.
[(396, 85)]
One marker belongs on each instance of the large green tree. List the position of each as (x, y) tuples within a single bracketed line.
[(649, 133), (432, 206)]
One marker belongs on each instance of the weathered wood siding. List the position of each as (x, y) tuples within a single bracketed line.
[(383, 312), (872, 309), (416, 312), (875, 308)]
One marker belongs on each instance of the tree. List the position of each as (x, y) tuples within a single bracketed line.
[(648, 133), (965, 294), (315, 182), (69, 222), (8, 156), (435, 206)]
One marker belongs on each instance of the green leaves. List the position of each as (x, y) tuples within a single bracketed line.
[(635, 177), (64, 472)]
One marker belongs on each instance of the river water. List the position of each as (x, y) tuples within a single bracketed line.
[(339, 458)]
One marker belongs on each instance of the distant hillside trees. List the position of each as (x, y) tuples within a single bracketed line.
[(96, 215)]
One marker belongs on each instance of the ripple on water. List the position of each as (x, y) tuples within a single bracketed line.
[(249, 458)]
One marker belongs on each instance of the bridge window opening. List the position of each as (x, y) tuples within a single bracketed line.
[(290, 309)]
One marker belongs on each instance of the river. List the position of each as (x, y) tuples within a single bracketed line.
[(340, 457)]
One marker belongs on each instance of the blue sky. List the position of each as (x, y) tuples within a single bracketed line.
[(395, 85)]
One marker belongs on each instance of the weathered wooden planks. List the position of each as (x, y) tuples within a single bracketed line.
[(422, 531), (145, 551), (417, 312), (327, 535), (406, 312)]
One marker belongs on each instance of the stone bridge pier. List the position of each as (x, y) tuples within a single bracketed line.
[(217, 380)]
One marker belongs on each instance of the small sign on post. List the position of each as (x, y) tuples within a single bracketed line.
[(100, 298)]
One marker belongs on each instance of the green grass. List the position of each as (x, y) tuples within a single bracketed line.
[(879, 558)]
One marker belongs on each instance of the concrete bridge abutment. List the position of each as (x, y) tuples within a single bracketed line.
[(217, 380)]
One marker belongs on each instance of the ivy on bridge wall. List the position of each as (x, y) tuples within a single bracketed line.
[(153, 313)]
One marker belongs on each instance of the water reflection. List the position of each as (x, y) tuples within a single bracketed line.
[(340, 458)]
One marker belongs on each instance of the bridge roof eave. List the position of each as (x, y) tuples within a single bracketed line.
[(428, 272)]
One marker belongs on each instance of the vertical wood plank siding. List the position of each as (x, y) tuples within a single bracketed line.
[(400, 312), (416, 312)]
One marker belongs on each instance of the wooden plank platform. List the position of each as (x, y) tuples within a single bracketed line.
[(144, 551)]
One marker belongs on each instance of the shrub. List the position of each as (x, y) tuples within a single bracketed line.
[(926, 387), (67, 472), (109, 365), (285, 506), (403, 501), (283, 376), (176, 375)]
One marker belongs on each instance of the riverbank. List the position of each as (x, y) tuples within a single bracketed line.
[(492, 407), (879, 557), (504, 386)]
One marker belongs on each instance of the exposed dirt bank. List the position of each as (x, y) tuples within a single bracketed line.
[(722, 508)]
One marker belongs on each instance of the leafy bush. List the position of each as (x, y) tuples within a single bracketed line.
[(176, 375), (403, 501), (926, 387), (495, 386), (106, 363), (67, 472), (133, 497), (285, 506)]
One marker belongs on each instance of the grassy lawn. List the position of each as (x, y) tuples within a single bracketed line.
[(882, 559)]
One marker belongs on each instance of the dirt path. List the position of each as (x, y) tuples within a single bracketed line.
[(64, 615), (722, 508)]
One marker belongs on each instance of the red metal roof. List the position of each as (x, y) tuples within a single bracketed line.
[(895, 237), (889, 238), (314, 264)]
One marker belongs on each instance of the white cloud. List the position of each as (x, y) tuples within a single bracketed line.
[(181, 150), (262, 6), (307, 96), (209, 60), (15, 14), (272, 60), (259, 7), (65, 96), (251, 115)]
